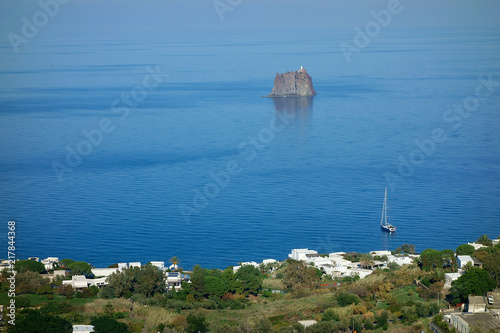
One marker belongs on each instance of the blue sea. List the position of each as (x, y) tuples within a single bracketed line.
[(191, 161)]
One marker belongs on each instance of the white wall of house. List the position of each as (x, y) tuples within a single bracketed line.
[(300, 254), (134, 264), (449, 278), (399, 260), (83, 328), (159, 264), (104, 271), (463, 260)]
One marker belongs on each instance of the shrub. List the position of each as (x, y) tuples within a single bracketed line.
[(345, 299)]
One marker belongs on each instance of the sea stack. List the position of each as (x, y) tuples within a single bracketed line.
[(293, 84)]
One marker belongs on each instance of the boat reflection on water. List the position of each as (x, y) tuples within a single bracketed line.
[(387, 240)]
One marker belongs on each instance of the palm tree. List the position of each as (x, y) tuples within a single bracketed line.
[(366, 260), (174, 260), (485, 240)]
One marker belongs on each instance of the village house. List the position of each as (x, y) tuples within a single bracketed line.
[(80, 281), (484, 321), (476, 304), (303, 254), (463, 260), (50, 263), (83, 328), (100, 272), (449, 278)]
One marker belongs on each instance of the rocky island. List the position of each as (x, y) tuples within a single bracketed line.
[(293, 84)]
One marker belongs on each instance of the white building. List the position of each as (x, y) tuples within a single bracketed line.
[(463, 260), (303, 254), (476, 304), (134, 264), (50, 262), (362, 273), (159, 264), (476, 246), (104, 271), (175, 279), (380, 253), (122, 265), (449, 278), (268, 261), (338, 260), (80, 281), (399, 260), (83, 328)]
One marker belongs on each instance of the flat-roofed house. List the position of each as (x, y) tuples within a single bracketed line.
[(302, 254), (83, 328), (104, 271), (463, 260), (159, 264), (476, 304), (134, 264)]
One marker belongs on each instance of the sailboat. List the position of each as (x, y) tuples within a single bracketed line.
[(383, 221)]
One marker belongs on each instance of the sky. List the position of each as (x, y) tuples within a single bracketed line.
[(108, 16)]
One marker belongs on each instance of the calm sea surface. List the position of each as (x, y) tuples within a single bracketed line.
[(305, 172)]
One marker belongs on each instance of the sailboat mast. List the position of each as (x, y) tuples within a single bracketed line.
[(384, 210)]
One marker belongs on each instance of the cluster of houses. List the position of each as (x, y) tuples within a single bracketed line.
[(336, 264), (172, 279)]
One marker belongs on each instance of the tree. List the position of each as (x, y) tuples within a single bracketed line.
[(174, 260), (80, 268), (345, 299), (475, 281), (366, 260), (35, 322), (197, 284), (405, 248), (297, 275), (215, 286), (491, 264), (149, 280), (66, 290), (431, 258), (108, 325), (485, 240), (465, 249), (383, 320), (29, 281), (251, 279), (146, 280), (196, 323), (448, 256), (29, 265)]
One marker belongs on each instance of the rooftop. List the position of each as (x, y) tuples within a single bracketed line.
[(485, 321)]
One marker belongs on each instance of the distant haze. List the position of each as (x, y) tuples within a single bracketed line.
[(87, 16)]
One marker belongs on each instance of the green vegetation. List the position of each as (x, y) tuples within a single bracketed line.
[(34, 321), (29, 265), (464, 249), (431, 259), (394, 298), (475, 281)]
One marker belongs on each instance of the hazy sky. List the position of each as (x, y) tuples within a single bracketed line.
[(88, 16)]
